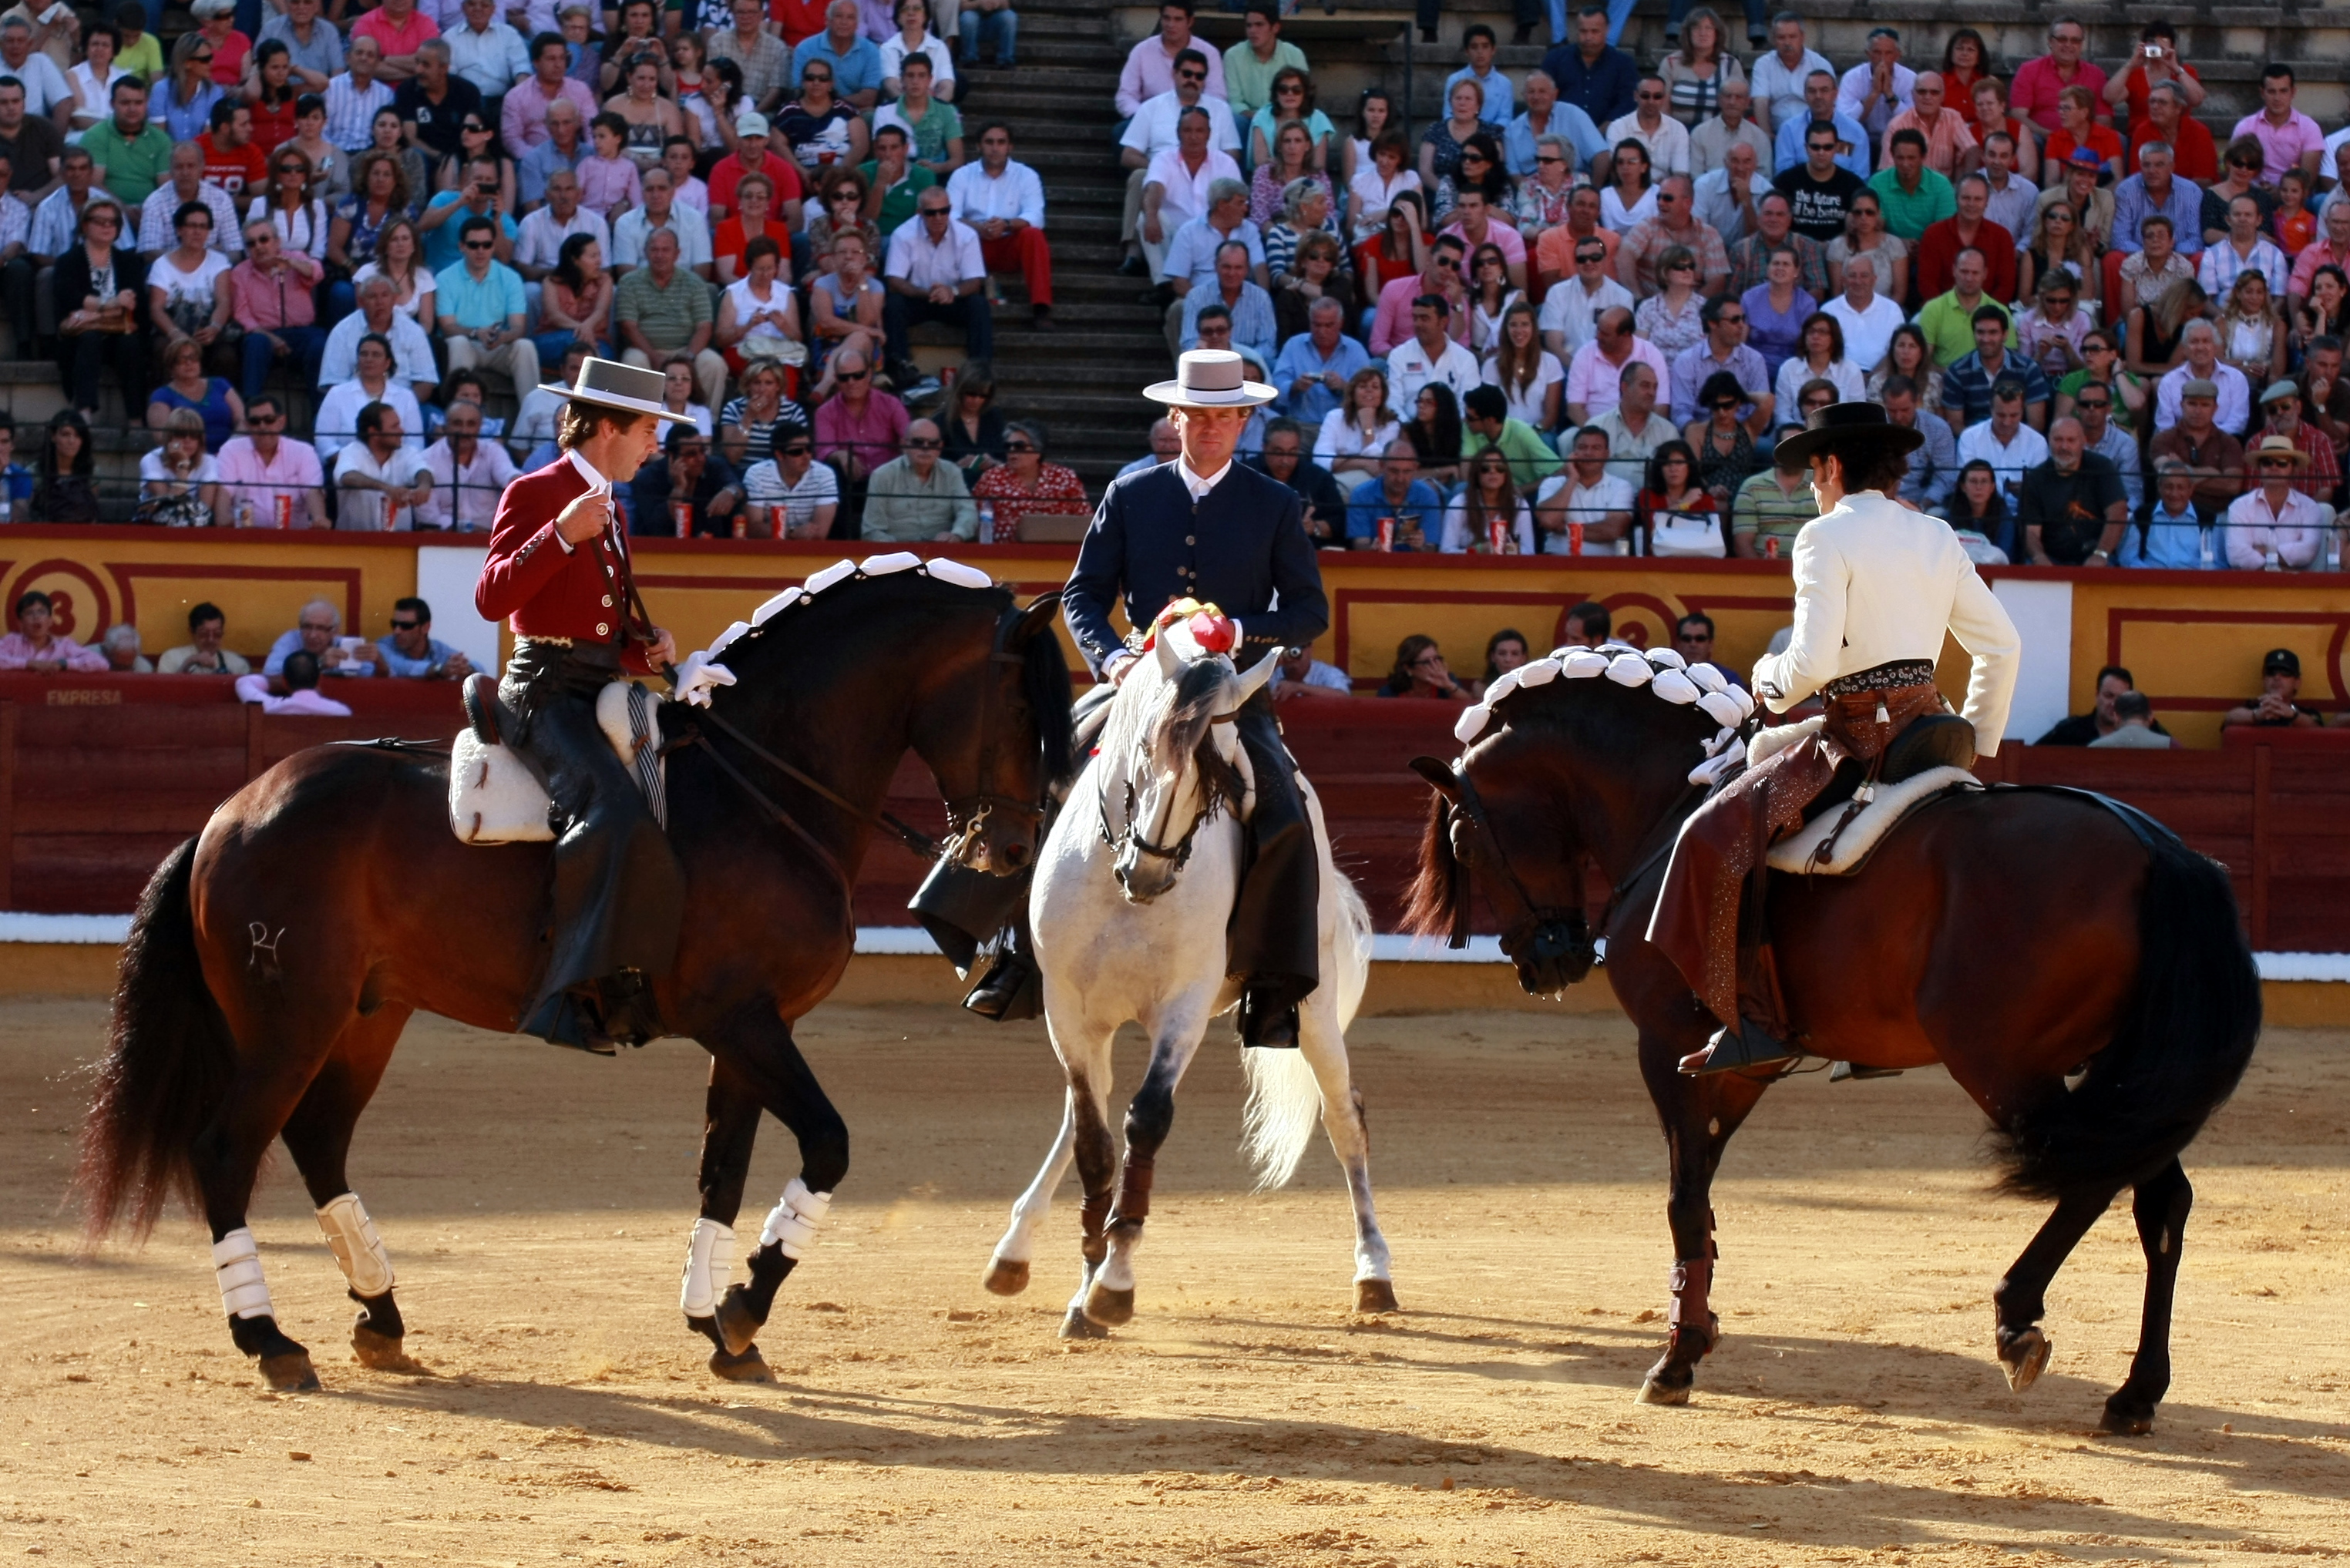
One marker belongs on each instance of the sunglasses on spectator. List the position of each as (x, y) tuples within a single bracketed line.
[(1018, 446), (1650, 97), (203, 60), (1548, 157), (2276, 463), (1289, 89), (253, 418), (919, 443), (1723, 405), (1582, 257), (1450, 263), (1728, 320), (797, 448), (1192, 76), (1822, 146), (481, 244), (406, 625), (853, 375), (2091, 403)]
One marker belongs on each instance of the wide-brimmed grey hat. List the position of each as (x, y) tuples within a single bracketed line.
[(1845, 426), (1211, 378), (613, 385)]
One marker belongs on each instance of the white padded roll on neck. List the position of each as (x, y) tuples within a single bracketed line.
[(236, 1260), (1722, 709), (1629, 670), (958, 574), (792, 1224), (1472, 723), (1538, 673), (709, 1264), (1676, 687), (351, 1235), (835, 573), (777, 606), (894, 561), (1582, 663), (1667, 659)]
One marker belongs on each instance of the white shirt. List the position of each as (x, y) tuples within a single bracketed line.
[(2029, 449), (363, 510), (1794, 374), (1855, 83), (165, 274), (418, 306), (1876, 583), (1409, 368), (690, 225), (256, 689), (954, 260), (45, 85), (492, 59), (1778, 88), (1529, 407), (539, 241), (1456, 529), (979, 196), (1714, 203), (1186, 193), (1868, 333), (1340, 438), (1590, 504), (1152, 129), (155, 214), (336, 421), (1667, 145), (1574, 314), (932, 48), (464, 497), (763, 485), (411, 357), (2235, 409), (2294, 534)]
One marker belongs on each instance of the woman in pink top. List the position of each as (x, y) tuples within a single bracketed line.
[(35, 646)]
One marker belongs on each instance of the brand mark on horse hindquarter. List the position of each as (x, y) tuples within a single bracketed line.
[(262, 943)]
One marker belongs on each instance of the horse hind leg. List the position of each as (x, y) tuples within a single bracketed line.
[(2022, 1296), (1007, 1266), (1349, 1128), (2160, 1206)]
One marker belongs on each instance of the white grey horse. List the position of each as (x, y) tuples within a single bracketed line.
[(1129, 909)]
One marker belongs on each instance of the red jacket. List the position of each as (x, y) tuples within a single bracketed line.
[(532, 582), (1937, 254)]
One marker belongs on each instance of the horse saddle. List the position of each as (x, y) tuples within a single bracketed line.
[(1932, 755), (495, 797)]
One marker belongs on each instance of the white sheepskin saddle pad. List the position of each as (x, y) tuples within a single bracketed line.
[(494, 799), (1799, 850)]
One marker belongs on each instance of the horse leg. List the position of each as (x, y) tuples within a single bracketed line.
[(2160, 1206), (1109, 1299), (2021, 1297), (730, 1128), (1084, 1049), (1007, 1268), (755, 1046), (1324, 1047), (1699, 1115), (318, 1136)]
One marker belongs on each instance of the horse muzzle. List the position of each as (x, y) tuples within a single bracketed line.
[(1551, 954), (1143, 876)]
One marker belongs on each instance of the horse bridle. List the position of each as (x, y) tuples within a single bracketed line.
[(1223, 786)]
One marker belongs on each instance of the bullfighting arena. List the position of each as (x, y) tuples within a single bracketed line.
[(537, 1204)]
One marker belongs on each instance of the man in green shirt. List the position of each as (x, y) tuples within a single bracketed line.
[(1770, 509), (660, 309), (1485, 422), (1948, 320), (901, 181), (1912, 195), (1249, 65), (935, 127), (132, 155)]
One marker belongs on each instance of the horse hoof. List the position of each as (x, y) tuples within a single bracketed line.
[(1375, 1295), (2127, 1417), (2024, 1357), (736, 1327), (290, 1372), (1652, 1392), (381, 1352), (1007, 1276), (749, 1366), (1109, 1307), (1077, 1326)]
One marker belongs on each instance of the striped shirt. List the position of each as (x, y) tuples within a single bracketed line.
[(351, 110), (156, 231)]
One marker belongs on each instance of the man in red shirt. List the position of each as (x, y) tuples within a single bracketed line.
[(231, 160), (798, 19), (2194, 155), (557, 571), (751, 155), (1931, 273), (400, 28), (2037, 82)]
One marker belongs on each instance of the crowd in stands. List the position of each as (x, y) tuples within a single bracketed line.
[(2121, 336), (421, 209)]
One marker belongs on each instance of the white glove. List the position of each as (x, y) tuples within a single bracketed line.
[(697, 677)]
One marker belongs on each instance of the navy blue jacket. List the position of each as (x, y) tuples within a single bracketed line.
[(1603, 90), (1239, 549)]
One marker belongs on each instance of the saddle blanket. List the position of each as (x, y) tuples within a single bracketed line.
[(1864, 832), (495, 798)]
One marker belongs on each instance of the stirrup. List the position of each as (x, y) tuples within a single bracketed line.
[(1853, 1072), (1267, 1025), (563, 1021), (1747, 1045), (1009, 991)]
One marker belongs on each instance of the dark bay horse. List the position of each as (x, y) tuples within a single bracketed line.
[(276, 958), (2085, 981)]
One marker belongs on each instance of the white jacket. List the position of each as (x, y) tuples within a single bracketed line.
[(1876, 582)]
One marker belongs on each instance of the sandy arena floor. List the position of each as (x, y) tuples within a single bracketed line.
[(536, 1205)]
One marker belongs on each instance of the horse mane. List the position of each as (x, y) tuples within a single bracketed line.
[(1432, 904), (1168, 720), (1045, 683)]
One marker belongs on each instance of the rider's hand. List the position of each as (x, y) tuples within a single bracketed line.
[(586, 516), (661, 650), (1120, 669)]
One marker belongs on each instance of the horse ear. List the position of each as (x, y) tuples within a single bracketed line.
[(1037, 618), (1439, 776), (1253, 680), (1170, 663)]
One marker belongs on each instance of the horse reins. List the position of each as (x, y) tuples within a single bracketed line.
[(1224, 785)]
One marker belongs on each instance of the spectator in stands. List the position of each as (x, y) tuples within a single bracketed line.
[(1877, 90), (1588, 625), (2093, 406), (1724, 451), (857, 428), (2171, 532), (1967, 383), (538, 241), (1166, 446), (2195, 157), (353, 99), (1820, 190), (1301, 675), (1780, 77), (380, 479), (2199, 340), (1951, 149), (1774, 229), (855, 63), (1581, 144), (481, 310), (564, 147), (2006, 441), (1530, 377), (1419, 671), (2321, 475), (1486, 421), (55, 216), (933, 124), (130, 151), (1673, 225), (689, 491), (1636, 427), (609, 182), (1966, 229), (1776, 309), (300, 671), (1734, 125), (935, 274), (662, 209), (1249, 65), (65, 493), (1586, 511), (1321, 502), (97, 326), (2013, 198), (1153, 66), (1177, 184), (182, 101), (1693, 637), (1488, 517), (1947, 321), (179, 482), (1594, 376), (750, 423), (410, 650), (1190, 256), (485, 51), (203, 653), (1315, 365), (2077, 129), (2072, 508), (1571, 310), (2155, 192), (187, 390), (1819, 356), (2134, 728), (1592, 74), (1412, 508), (1026, 485), (1725, 348), (2275, 707), (659, 311), (408, 350), (2274, 525), (1724, 197), (1354, 435), (1242, 305), (468, 475), (16, 481), (270, 295), (267, 478), (37, 647), (1769, 509), (915, 497), (2330, 248), (754, 219), (1003, 202), (185, 184), (315, 46), (992, 23), (2288, 138), (1914, 197), (1442, 144), (1311, 273), (1431, 355), (1866, 318), (914, 37), (2216, 455), (790, 495)]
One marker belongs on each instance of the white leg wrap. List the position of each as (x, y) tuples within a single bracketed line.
[(236, 1258), (792, 1224), (356, 1247), (709, 1263)]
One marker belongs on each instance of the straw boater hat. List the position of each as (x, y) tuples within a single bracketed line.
[(2279, 446), (1211, 378), (609, 384), (1841, 428)]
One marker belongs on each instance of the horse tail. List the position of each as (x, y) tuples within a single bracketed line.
[(1285, 1103), (1353, 948), (1441, 883), (2176, 1056), (168, 1060)]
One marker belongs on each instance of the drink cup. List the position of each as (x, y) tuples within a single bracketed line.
[(680, 513), (1497, 536), (281, 512), (1387, 533), (1574, 538)]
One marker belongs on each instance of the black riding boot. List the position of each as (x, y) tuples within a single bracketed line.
[(1275, 939)]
